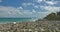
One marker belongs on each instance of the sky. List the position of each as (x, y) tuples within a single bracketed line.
[(28, 8)]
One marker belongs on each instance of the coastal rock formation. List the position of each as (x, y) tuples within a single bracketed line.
[(53, 16), (58, 13), (40, 26)]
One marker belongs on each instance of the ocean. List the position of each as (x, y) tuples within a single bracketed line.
[(2, 20)]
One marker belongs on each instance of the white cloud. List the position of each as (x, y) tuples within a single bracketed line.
[(50, 8), (20, 13), (27, 13), (9, 10), (51, 2), (40, 0), (12, 11), (20, 7), (36, 6), (41, 14), (27, 4), (44, 12), (33, 11), (6, 8), (15, 12), (9, 13)]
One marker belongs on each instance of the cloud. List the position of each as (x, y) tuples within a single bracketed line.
[(36, 6), (33, 11), (3, 8), (27, 13), (20, 12), (51, 2), (51, 8), (6, 10), (12, 11), (27, 4), (43, 14), (40, 0), (9, 10), (20, 7)]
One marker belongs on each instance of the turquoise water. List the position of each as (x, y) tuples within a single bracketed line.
[(15, 19)]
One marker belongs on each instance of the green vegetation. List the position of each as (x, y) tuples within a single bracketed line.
[(46, 30), (52, 16)]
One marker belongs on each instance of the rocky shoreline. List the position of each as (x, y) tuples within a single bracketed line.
[(37, 26)]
